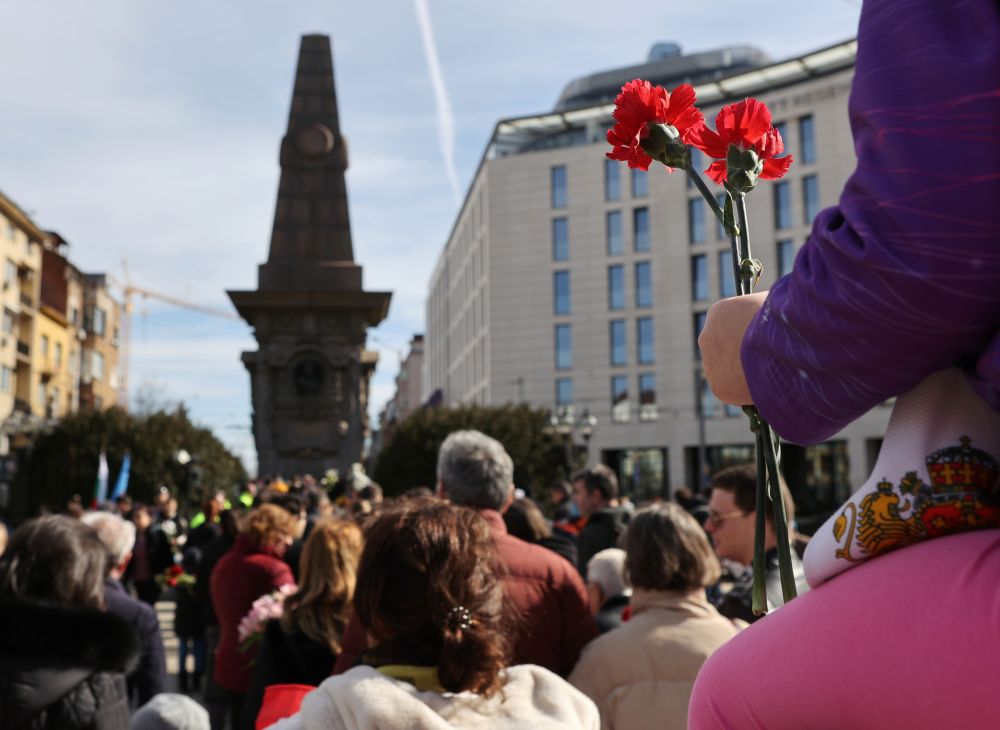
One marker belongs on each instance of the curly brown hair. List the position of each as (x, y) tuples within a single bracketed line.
[(424, 561), (328, 572), (265, 524)]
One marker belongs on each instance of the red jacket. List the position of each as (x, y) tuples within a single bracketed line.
[(548, 594), (243, 575)]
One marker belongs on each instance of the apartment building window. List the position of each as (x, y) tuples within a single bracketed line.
[(100, 322), (727, 279), (560, 239), (647, 397), (6, 378), (782, 128), (619, 353), (44, 347), (615, 237), (58, 354), (696, 220), (699, 277), (644, 340), (720, 230), (619, 399), (807, 139), (782, 204), (74, 316), (612, 180), (640, 183), (564, 391), (560, 287), (616, 287), (732, 411), (699, 325), (40, 396), (707, 403), (810, 197), (643, 284), (8, 322), (564, 347), (786, 255), (96, 366), (558, 182), (9, 274), (640, 228)]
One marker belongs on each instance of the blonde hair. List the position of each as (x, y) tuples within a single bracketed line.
[(266, 523), (328, 572)]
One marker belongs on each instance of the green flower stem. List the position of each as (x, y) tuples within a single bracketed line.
[(744, 254), (770, 451), (759, 596)]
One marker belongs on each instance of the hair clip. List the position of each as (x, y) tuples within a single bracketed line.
[(458, 618)]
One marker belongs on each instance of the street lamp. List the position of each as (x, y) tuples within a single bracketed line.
[(564, 424)]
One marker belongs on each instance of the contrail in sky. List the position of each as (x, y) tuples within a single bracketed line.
[(445, 118)]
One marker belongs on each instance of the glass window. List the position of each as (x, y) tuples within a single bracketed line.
[(698, 163), (564, 391), (696, 220), (619, 354), (560, 239), (727, 279), (786, 255), (8, 322), (616, 287), (782, 128), (619, 399), (559, 186), (644, 335), (560, 288), (58, 354), (699, 277), (6, 378), (640, 228), (97, 366), (9, 274), (720, 231), (45, 346), (643, 284), (640, 183), (807, 139), (647, 397), (782, 204), (810, 197), (707, 400), (564, 347), (699, 325), (612, 180), (614, 233), (732, 411), (99, 322)]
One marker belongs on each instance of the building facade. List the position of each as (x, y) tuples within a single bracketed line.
[(100, 376), (570, 282)]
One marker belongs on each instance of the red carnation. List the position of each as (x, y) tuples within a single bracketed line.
[(747, 126), (175, 570), (640, 104)]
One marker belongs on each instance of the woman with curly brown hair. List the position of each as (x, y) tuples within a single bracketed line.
[(253, 568), (302, 647), (431, 600)]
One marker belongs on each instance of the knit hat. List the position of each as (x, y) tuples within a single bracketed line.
[(170, 712), (938, 473)]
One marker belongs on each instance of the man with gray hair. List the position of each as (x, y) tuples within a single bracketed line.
[(476, 471), (118, 536)]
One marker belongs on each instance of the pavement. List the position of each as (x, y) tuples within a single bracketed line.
[(165, 614)]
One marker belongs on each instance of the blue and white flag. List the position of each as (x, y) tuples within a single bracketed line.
[(121, 486)]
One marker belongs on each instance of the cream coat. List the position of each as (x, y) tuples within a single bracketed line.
[(641, 674)]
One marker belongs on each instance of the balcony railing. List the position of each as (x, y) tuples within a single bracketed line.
[(23, 348), (27, 301)]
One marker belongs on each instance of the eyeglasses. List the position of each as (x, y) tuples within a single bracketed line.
[(717, 520)]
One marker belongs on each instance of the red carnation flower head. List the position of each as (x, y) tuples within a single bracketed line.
[(745, 146), (175, 570), (652, 122)]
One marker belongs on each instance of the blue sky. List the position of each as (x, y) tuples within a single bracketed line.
[(150, 131)]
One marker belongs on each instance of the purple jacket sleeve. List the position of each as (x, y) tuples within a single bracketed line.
[(902, 278)]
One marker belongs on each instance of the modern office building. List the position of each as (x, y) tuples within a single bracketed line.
[(571, 283)]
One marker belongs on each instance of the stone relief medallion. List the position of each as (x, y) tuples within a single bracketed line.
[(315, 141)]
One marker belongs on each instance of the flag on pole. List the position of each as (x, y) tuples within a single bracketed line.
[(101, 488), (121, 486)]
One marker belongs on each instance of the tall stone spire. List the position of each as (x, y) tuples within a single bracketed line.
[(310, 314)]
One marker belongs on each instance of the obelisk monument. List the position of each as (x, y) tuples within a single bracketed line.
[(310, 314)]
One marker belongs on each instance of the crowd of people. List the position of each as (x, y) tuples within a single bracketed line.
[(455, 606)]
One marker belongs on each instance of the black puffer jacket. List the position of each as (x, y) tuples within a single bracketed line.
[(63, 668)]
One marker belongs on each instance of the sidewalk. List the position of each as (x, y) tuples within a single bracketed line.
[(165, 614)]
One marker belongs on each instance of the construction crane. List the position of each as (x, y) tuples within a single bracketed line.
[(130, 290)]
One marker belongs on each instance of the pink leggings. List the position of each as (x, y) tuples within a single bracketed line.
[(910, 640)]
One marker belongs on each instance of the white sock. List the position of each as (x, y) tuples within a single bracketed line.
[(938, 473)]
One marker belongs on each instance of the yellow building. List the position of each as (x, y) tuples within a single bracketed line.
[(21, 258), (56, 346)]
